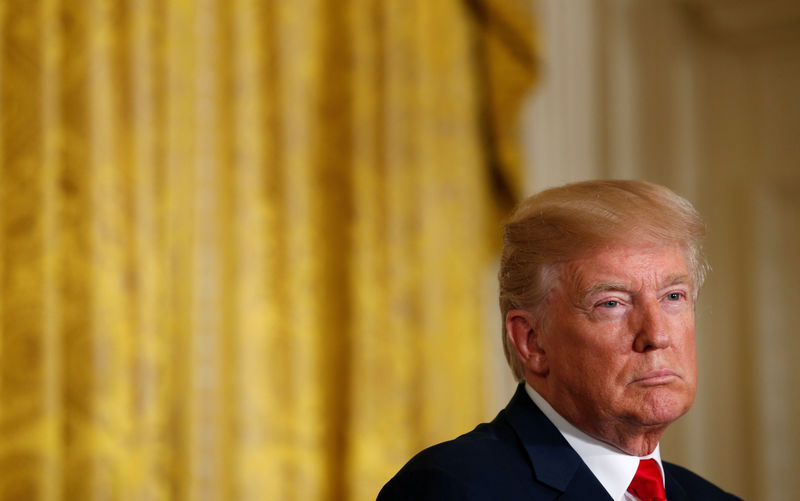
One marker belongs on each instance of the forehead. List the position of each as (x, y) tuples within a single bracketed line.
[(630, 266)]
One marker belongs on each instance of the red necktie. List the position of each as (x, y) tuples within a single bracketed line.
[(647, 484)]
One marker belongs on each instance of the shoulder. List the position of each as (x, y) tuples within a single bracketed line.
[(424, 484), (695, 486), (489, 459)]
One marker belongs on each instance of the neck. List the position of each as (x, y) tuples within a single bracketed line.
[(636, 442)]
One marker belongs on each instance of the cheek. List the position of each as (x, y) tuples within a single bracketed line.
[(590, 369), (690, 358), (687, 354), (598, 355), (689, 345)]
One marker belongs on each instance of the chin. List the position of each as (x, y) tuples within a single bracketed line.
[(662, 408)]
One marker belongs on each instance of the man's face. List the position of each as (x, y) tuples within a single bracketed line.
[(618, 339)]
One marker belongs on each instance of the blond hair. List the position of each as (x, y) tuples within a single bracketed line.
[(561, 224)]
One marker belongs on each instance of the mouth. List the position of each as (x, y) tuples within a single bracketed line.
[(656, 377)]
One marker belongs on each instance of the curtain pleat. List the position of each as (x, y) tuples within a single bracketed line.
[(241, 243)]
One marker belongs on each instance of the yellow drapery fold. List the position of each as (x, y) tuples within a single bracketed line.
[(241, 243)]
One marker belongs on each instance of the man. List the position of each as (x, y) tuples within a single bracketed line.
[(598, 283)]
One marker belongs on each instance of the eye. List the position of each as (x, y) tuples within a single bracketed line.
[(675, 296), (609, 304)]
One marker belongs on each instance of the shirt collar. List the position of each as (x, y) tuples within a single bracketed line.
[(613, 468)]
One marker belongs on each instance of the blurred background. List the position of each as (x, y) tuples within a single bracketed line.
[(247, 248)]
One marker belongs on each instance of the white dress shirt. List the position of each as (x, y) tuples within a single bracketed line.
[(612, 467)]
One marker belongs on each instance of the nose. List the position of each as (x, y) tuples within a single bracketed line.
[(652, 330)]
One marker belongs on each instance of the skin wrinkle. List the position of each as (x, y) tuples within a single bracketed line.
[(594, 361), (601, 287)]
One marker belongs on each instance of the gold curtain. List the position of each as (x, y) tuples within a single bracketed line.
[(241, 242)]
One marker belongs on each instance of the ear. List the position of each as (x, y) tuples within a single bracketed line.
[(522, 330)]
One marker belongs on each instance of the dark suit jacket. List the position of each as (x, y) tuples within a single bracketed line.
[(519, 455)]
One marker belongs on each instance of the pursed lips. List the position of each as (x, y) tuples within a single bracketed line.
[(656, 377)]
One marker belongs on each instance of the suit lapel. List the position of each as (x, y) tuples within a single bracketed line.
[(585, 487), (675, 491), (555, 463)]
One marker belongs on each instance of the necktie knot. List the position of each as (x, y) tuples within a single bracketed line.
[(647, 484)]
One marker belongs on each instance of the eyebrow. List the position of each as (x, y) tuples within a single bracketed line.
[(604, 287), (678, 278)]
